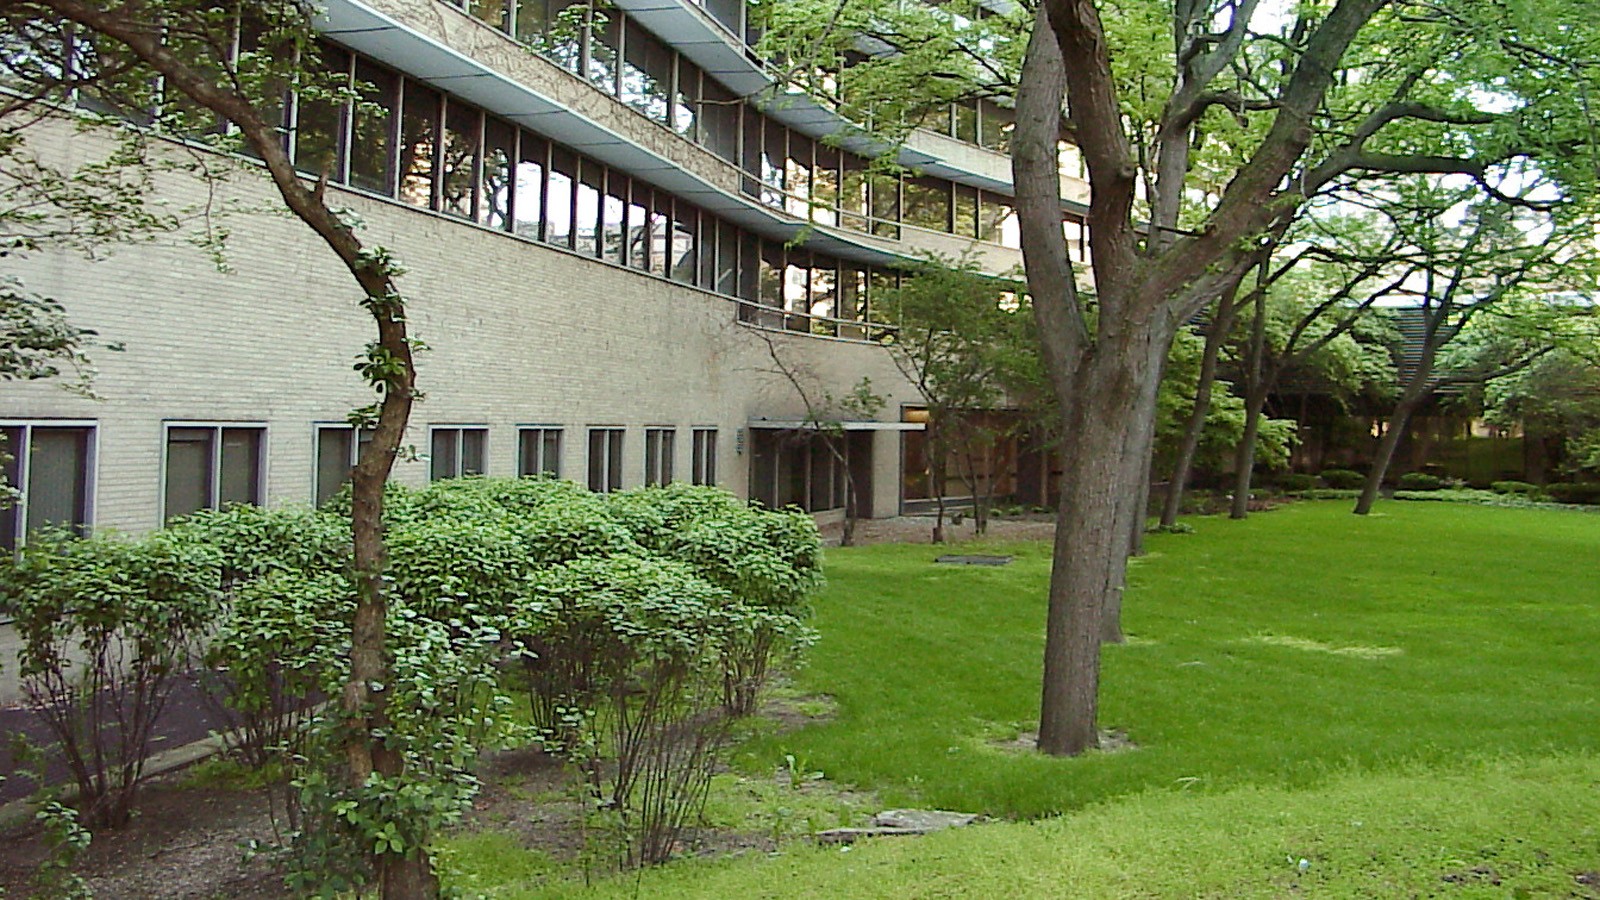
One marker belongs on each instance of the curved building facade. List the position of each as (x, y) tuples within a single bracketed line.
[(616, 237)]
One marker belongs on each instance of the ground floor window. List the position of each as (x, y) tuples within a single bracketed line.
[(539, 451), (456, 450), (48, 465), (705, 456), (339, 448), (658, 455), (209, 466), (605, 459), (808, 469)]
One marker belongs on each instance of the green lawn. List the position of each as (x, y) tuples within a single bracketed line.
[(1431, 671)]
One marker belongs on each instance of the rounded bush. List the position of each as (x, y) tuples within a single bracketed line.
[(1297, 481), (1342, 479), (1587, 493), (1514, 487), (1420, 481)]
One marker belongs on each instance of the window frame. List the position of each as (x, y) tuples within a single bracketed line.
[(217, 426), (361, 437), (660, 444), (461, 428), (24, 463), (551, 468), (703, 455), (610, 470)]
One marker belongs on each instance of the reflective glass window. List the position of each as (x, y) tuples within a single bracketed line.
[(719, 120), (371, 132), (458, 159), (605, 31), (681, 248), (591, 187), (646, 77), (614, 218), (419, 142), (558, 200), (529, 200), (686, 106), (499, 154), (319, 125), (927, 203)]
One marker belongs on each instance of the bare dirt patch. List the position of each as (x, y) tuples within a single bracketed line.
[(185, 842), (1113, 741)]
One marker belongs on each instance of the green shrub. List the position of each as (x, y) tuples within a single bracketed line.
[(1296, 481), (1515, 487), (106, 626), (1586, 492), (1342, 479), (1420, 481), (1329, 494)]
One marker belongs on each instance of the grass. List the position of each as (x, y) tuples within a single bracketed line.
[(1429, 672)]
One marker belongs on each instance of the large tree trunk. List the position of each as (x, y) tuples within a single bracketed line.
[(1385, 454), (1101, 460), (1196, 426)]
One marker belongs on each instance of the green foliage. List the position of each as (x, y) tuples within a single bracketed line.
[(1225, 419), (1580, 492), (1342, 479), (106, 626), (1515, 487), (1420, 481), (1296, 481)]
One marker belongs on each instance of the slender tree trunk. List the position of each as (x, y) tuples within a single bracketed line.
[(1385, 454), (1196, 426), (1244, 455)]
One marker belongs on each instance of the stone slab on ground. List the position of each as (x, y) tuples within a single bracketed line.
[(899, 823)]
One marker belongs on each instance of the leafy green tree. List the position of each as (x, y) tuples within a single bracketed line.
[(956, 341), (1485, 275), (1348, 92), (1556, 403), (194, 65)]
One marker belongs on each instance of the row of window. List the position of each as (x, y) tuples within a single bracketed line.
[(211, 465), (408, 141)]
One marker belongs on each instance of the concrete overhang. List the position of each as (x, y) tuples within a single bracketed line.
[(370, 32)]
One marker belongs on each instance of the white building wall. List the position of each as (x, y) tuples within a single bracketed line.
[(519, 333)]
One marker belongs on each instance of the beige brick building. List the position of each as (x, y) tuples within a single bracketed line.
[(601, 254)]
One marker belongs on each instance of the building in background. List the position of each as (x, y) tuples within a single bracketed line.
[(606, 240)]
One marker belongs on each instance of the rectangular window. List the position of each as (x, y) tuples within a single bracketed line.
[(719, 120), (966, 211), (539, 451), (706, 252), (681, 249), (705, 456), (885, 206), (638, 242), (797, 174), (997, 221), (419, 142), (494, 196), (605, 31), (372, 132), (660, 233), (727, 259), (825, 186), (605, 459), (457, 451), (490, 12), (966, 121), (646, 77), (558, 200), (528, 204), (319, 125), (658, 455), (459, 160), (927, 203), (213, 466), (586, 225), (49, 465), (614, 218), (687, 101), (996, 126), (338, 450)]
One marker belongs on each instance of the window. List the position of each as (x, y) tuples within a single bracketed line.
[(539, 451), (372, 137), (457, 451), (528, 203), (212, 466), (927, 203), (658, 455), (719, 120), (646, 77), (459, 160), (705, 456), (338, 450), (558, 202), (499, 149), (605, 459), (318, 134), (49, 464), (419, 142)]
